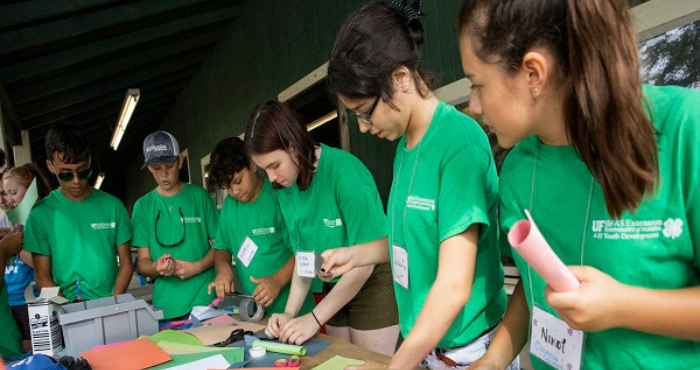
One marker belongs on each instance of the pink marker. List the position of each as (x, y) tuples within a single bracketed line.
[(526, 238)]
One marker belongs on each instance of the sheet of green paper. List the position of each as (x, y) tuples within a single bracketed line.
[(338, 362), (19, 214), (174, 336), (230, 356), (172, 348), (280, 347)]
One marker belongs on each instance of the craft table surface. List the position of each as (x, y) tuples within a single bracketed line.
[(338, 347)]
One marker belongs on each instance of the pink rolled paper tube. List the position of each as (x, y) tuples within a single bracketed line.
[(526, 238)]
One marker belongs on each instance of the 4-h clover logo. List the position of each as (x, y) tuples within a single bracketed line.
[(673, 228)]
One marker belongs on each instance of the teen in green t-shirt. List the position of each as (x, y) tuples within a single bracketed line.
[(173, 227), (10, 337), (443, 245), (77, 232), (609, 170), (250, 228), (328, 200)]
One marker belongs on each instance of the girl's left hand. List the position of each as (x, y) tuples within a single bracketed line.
[(595, 305), (299, 330)]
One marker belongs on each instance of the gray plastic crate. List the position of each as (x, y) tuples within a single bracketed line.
[(106, 320)]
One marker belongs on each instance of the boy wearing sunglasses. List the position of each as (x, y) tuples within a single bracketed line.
[(251, 229), (173, 227), (77, 232)]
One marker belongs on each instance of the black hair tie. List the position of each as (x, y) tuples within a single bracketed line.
[(412, 12)]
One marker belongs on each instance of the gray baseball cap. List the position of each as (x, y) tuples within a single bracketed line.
[(160, 147)]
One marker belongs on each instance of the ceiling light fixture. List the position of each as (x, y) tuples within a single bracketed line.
[(132, 97), (100, 179)]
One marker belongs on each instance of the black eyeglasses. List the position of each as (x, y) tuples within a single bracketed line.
[(182, 218), (68, 175), (364, 117)]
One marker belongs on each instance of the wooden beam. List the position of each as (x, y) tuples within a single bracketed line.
[(179, 68), (170, 83), (65, 28), (89, 75), (64, 58), (30, 11), (8, 108)]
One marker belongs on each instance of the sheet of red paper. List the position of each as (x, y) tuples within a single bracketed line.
[(134, 355)]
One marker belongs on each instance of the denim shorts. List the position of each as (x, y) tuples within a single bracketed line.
[(465, 355)]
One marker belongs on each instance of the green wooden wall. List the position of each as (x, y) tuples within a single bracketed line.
[(276, 43)]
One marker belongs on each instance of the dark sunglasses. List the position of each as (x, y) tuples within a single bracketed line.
[(182, 219), (68, 175), (364, 117)]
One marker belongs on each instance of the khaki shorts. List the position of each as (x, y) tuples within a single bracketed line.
[(374, 306)]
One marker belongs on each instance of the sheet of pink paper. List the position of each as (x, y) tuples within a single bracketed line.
[(526, 238), (223, 319)]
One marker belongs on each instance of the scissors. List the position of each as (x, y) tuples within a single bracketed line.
[(235, 336), (292, 361)]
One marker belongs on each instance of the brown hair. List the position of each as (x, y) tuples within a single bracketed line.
[(25, 174), (598, 74), (275, 126)]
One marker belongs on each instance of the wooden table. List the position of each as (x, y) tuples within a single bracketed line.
[(342, 348), (337, 347)]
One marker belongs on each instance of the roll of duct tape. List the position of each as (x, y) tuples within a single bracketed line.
[(244, 309)]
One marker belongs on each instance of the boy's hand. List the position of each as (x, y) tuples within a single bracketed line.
[(267, 290)]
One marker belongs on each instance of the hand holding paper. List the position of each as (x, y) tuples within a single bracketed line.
[(526, 238)]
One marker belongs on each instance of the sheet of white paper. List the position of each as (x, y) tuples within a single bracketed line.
[(203, 312), (213, 362)]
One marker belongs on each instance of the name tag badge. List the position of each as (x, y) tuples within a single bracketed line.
[(306, 261), (554, 342), (247, 251), (399, 263)]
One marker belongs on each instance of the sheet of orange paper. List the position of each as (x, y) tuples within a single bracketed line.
[(134, 355), (223, 319), (210, 334)]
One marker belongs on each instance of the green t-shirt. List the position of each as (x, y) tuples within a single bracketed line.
[(197, 223), (81, 238), (340, 208), (658, 248), (261, 221), (441, 186), (10, 338)]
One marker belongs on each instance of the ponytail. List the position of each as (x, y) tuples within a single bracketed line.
[(606, 121), (598, 73)]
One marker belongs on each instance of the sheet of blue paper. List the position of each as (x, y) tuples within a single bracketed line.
[(313, 347)]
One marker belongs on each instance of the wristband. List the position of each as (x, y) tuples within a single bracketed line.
[(316, 318)]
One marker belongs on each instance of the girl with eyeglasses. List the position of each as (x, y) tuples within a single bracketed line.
[(19, 270), (443, 247), (608, 168), (328, 200)]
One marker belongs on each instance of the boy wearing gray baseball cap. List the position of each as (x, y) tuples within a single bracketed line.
[(173, 227)]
